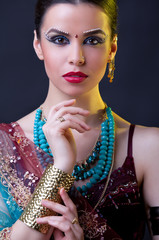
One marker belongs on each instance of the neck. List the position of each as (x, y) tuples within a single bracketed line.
[(92, 101)]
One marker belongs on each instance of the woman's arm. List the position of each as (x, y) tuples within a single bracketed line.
[(22, 231), (59, 137), (48, 188), (151, 176)]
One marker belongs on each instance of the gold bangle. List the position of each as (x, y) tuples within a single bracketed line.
[(48, 187)]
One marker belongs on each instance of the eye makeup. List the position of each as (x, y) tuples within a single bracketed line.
[(94, 40), (54, 33), (91, 31), (49, 34)]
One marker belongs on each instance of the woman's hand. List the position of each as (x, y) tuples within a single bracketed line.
[(64, 229), (59, 135)]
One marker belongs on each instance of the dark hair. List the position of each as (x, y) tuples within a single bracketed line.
[(109, 7)]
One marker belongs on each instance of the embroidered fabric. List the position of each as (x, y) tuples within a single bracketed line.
[(5, 234), (20, 170), (18, 177)]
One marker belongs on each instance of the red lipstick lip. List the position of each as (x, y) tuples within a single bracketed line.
[(75, 77), (74, 74)]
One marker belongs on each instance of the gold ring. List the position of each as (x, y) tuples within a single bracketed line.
[(61, 119), (74, 221)]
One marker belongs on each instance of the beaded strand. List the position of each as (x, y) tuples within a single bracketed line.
[(39, 137), (103, 151), (101, 170)]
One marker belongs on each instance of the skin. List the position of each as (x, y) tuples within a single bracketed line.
[(82, 107)]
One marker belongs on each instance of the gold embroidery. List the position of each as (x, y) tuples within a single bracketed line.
[(15, 186), (90, 225), (5, 234)]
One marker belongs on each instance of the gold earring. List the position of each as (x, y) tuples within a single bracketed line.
[(111, 69)]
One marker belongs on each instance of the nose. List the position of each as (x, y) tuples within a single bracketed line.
[(76, 55)]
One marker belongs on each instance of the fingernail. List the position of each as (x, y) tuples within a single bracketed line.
[(62, 190), (86, 112), (38, 220), (88, 127), (44, 201)]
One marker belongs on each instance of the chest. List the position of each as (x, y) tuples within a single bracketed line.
[(86, 147), (86, 144)]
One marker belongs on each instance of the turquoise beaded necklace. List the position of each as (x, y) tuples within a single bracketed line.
[(102, 153)]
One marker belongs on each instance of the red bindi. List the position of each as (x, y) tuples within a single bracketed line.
[(76, 36)]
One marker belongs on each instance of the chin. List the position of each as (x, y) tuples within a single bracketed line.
[(74, 93)]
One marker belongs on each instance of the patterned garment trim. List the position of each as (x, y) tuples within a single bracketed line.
[(15, 186), (5, 234), (18, 184)]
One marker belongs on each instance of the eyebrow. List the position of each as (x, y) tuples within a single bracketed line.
[(55, 30), (94, 31), (86, 33)]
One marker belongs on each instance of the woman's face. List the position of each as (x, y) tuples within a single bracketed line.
[(75, 38)]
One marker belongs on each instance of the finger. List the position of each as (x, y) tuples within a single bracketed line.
[(66, 227), (60, 223), (74, 120), (63, 224), (68, 202), (60, 105), (49, 233), (61, 127), (58, 235), (58, 208), (71, 110), (44, 220), (77, 120), (69, 124), (65, 104)]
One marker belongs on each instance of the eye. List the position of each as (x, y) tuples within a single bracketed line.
[(60, 40), (93, 40)]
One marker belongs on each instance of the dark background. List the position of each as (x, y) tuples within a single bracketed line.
[(134, 93)]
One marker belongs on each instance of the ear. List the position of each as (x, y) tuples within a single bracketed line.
[(113, 48), (37, 46)]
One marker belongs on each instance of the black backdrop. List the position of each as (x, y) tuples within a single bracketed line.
[(134, 93)]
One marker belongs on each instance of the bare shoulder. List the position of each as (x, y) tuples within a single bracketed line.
[(145, 147), (146, 150), (147, 139)]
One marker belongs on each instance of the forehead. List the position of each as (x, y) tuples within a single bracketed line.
[(75, 18)]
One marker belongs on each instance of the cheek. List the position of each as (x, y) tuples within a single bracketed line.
[(98, 58), (52, 62), (98, 66), (98, 62)]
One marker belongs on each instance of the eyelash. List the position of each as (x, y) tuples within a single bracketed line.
[(89, 39), (54, 38), (98, 39)]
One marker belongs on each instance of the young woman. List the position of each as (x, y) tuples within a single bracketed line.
[(114, 164)]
